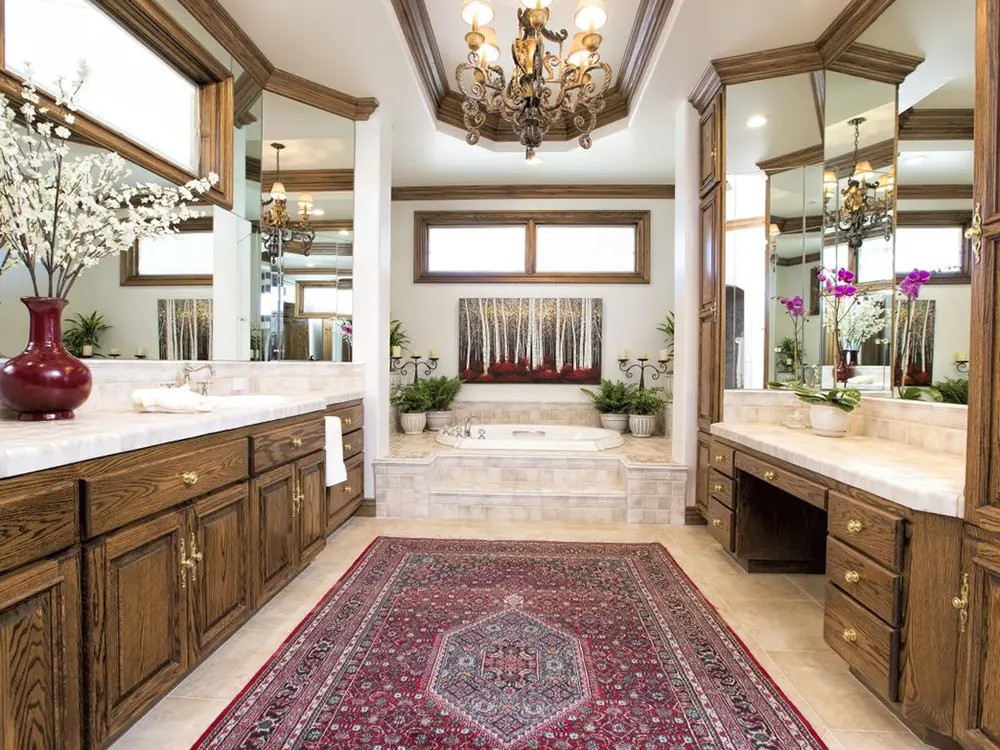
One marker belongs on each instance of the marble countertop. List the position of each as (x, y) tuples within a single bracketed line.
[(27, 447), (915, 478)]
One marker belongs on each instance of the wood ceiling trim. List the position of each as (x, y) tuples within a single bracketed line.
[(770, 63), (245, 94), (934, 192), (313, 180), (322, 97), (802, 158), (419, 35), (817, 81), (881, 155), (875, 64), (707, 89), (933, 218), (937, 125), (217, 21), (649, 24), (848, 26), (332, 225), (531, 192)]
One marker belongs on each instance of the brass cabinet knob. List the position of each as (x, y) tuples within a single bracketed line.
[(297, 442), (719, 458), (348, 421), (852, 576), (769, 476), (854, 526), (717, 487), (348, 489), (190, 478), (347, 447), (717, 522), (850, 635)]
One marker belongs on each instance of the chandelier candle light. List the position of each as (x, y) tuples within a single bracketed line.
[(641, 365), (543, 87), (396, 363)]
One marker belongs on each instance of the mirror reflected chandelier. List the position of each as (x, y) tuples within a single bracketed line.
[(866, 207), (278, 230), (543, 87)]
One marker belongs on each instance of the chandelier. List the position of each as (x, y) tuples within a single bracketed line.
[(277, 228), (543, 87), (868, 200)]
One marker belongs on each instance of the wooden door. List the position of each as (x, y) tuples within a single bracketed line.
[(138, 639), (311, 506), (274, 536), (711, 144), (40, 656), (982, 491), (219, 543), (977, 703), (709, 365)]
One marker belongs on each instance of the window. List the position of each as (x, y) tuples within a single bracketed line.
[(940, 250), (545, 247), (182, 259), (324, 299)]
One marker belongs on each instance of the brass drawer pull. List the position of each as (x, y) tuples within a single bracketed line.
[(961, 603), (769, 476), (348, 421), (347, 447), (296, 442), (852, 576), (717, 522), (850, 635), (719, 458), (186, 564), (717, 488), (348, 489), (190, 478), (854, 526)]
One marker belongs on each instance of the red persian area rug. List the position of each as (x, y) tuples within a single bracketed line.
[(430, 644)]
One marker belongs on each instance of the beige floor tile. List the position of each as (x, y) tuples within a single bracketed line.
[(233, 664), (844, 740), (785, 625), (174, 724)]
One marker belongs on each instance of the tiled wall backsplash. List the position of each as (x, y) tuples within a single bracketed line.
[(937, 427), (538, 412)]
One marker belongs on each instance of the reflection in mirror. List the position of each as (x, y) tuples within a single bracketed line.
[(858, 231), (305, 265)]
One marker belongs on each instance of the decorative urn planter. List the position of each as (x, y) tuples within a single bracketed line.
[(829, 421), (642, 425), (437, 420), (44, 382), (413, 423), (616, 422)]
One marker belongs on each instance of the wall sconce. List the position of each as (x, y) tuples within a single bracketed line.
[(962, 362)]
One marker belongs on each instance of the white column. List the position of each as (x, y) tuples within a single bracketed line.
[(231, 286), (687, 293), (372, 222)]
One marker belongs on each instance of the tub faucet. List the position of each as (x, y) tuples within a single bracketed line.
[(468, 424)]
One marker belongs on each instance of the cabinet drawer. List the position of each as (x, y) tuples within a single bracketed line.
[(720, 523), (866, 643), (721, 487), (351, 417), (354, 443), (156, 483), (339, 496), (793, 484), (877, 533), (721, 457), (283, 445), (35, 520), (871, 584)]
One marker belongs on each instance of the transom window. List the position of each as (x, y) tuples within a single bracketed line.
[(546, 247), (941, 250), (182, 259)]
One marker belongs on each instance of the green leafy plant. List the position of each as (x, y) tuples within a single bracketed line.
[(397, 336), (442, 391), (612, 397), (786, 352), (411, 398), (920, 393), (845, 399), (953, 390), (667, 329), (84, 330), (646, 402)]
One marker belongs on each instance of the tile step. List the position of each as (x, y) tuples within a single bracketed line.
[(456, 488)]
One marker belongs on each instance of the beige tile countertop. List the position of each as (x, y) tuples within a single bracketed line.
[(34, 446), (915, 478)]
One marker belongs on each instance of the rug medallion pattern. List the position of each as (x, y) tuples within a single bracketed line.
[(474, 645)]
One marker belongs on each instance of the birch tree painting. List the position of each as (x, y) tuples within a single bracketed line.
[(920, 368), (185, 328), (529, 340)]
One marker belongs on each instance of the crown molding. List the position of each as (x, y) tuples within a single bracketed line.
[(707, 89), (817, 81), (848, 26), (313, 180), (937, 125), (531, 192), (245, 94), (804, 157), (933, 218), (649, 24), (875, 64), (317, 95), (770, 63), (934, 192), (880, 155)]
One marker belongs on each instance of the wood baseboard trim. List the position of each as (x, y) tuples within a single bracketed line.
[(693, 517), (366, 509)]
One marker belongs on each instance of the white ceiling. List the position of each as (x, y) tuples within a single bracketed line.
[(314, 139), (368, 57)]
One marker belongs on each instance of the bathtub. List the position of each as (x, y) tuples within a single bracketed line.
[(525, 437)]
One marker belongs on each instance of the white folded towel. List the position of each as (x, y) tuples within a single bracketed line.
[(336, 472), (173, 400)]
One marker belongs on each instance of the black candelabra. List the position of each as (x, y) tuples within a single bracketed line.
[(396, 364), (641, 365)]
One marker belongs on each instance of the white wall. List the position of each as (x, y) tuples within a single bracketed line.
[(631, 311), (953, 321)]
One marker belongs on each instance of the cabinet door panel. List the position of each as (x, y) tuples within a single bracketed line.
[(138, 601), (711, 247), (40, 656), (311, 506), (709, 372), (704, 467), (274, 532), (220, 594), (711, 146), (340, 497)]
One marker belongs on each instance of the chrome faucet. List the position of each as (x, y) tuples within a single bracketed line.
[(467, 431), (204, 384)]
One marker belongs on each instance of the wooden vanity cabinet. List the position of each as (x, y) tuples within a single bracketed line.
[(344, 499)]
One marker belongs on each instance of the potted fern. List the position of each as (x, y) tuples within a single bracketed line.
[(413, 402), (441, 391), (83, 331), (645, 405), (612, 402)]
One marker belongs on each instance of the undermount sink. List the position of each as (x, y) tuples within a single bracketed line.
[(246, 401)]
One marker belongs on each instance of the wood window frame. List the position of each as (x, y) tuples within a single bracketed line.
[(531, 220), (300, 289), (129, 262), (949, 220), (165, 36)]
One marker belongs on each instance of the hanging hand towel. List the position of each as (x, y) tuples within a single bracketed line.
[(336, 472)]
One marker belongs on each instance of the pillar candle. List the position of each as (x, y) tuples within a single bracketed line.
[(432, 354), (88, 350), (663, 355), (961, 356), (397, 352), (623, 354)]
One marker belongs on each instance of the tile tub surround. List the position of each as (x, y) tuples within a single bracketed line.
[(629, 484), (916, 478), (935, 427)]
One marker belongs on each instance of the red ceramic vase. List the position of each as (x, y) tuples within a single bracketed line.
[(44, 382)]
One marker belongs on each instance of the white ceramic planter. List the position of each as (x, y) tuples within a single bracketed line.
[(616, 422), (828, 421), (437, 420), (413, 424), (642, 425)]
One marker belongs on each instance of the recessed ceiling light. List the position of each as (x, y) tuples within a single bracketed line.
[(344, 232), (757, 121), (915, 159), (310, 265)]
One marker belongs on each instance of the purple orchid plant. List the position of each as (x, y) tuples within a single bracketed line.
[(910, 288), (840, 291), (796, 311)]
